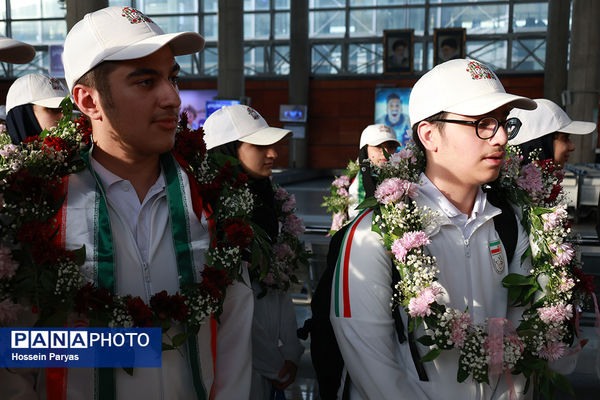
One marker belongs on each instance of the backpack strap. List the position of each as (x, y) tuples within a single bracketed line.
[(505, 223)]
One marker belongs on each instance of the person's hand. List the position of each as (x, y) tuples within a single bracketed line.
[(289, 369)]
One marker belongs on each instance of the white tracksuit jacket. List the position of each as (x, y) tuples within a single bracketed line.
[(379, 366)]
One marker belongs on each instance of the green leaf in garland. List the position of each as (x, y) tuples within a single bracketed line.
[(518, 280), (426, 340), (432, 355), (369, 202)]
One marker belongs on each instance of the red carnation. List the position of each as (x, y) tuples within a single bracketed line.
[(169, 307), (553, 194), (214, 281), (50, 253), (56, 143), (242, 179), (83, 124), (238, 232), (140, 312), (90, 297), (188, 142)]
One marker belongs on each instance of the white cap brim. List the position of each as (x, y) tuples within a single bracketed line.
[(489, 102), (377, 142), (266, 136), (578, 128), (16, 52), (181, 43), (52, 102)]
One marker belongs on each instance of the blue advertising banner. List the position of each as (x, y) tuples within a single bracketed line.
[(79, 347)]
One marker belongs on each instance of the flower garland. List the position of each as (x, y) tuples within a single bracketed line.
[(338, 201), (552, 292), (288, 252), (38, 273)]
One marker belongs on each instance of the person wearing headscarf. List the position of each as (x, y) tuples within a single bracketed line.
[(546, 131), (374, 139), (240, 132), (32, 105)]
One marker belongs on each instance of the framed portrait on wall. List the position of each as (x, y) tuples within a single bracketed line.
[(391, 109), (448, 44), (398, 51)]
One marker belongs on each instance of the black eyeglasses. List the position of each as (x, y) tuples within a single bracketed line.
[(486, 127)]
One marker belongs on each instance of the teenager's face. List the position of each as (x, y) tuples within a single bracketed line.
[(257, 160), (47, 117), (562, 148), (376, 154), (145, 108), (394, 110), (464, 158)]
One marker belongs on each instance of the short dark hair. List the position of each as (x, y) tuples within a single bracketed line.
[(97, 78), (450, 42), (434, 120), (392, 96), (399, 42)]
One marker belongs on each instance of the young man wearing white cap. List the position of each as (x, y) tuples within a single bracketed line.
[(32, 105), (121, 71), (373, 140), (240, 132), (459, 113), (547, 129)]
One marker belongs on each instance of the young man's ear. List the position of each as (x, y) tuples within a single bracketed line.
[(88, 101), (427, 134)]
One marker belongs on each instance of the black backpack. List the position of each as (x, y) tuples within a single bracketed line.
[(325, 353)]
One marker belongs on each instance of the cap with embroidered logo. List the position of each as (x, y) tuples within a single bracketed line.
[(39, 89), (14, 51), (547, 118), (374, 135), (240, 122), (119, 33), (460, 86)]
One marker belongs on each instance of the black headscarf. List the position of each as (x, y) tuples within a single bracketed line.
[(545, 143), (365, 170), (21, 123), (264, 208)]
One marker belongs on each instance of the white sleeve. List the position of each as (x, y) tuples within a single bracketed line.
[(233, 370), (362, 320)]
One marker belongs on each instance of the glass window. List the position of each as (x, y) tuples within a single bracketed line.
[(492, 52), (528, 55), (167, 6), (119, 3), (211, 27), (477, 19), (210, 56), (252, 5), (362, 3), (53, 9), (327, 3), (282, 25), (365, 58), (25, 9), (326, 24), (187, 65), (210, 5), (372, 22), (181, 23), (282, 4), (460, 1), (326, 58), (2, 10), (254, 60), (418, 56), (530, 17), (281, 60), (257, 26)]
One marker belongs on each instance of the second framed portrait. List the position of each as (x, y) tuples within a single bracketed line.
[(448, 44), (398, 47)]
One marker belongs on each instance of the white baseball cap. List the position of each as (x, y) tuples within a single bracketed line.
[(460, 86), (374, 135), (119, 33), (547, 118), (14, 51), (240, 122), (39, 89)]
